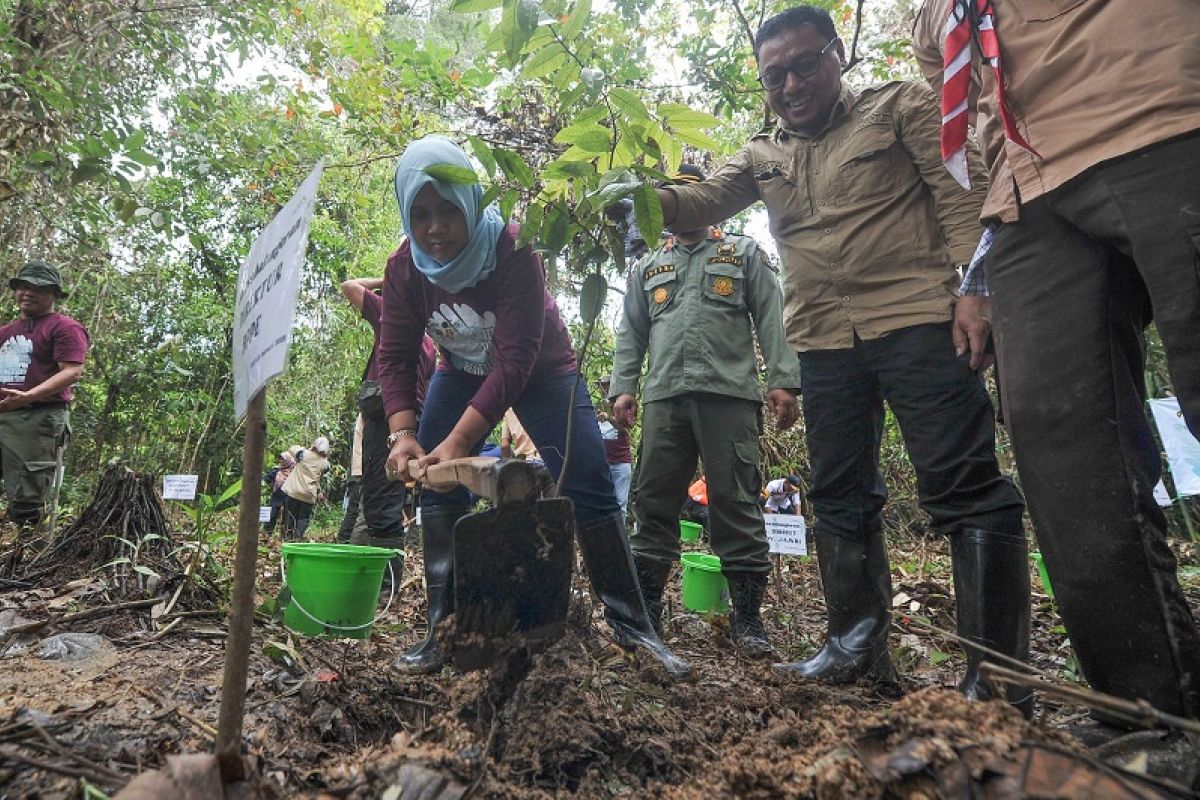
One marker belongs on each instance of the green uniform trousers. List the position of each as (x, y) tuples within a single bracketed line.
[(29, 440), (723, 432)]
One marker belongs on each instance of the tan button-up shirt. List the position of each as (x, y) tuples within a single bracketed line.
[(1087, 81), (868, 222)]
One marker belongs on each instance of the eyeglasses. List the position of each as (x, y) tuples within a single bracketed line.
[(803, 67)]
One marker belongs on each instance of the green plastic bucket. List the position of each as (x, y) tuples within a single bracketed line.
[(334, 587), (689, 531), (1036, 558), (704, 586)]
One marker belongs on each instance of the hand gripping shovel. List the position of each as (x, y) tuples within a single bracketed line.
[(512, 563)]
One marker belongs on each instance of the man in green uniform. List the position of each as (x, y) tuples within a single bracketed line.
[(690, 305)]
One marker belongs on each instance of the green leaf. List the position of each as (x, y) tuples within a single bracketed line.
[(577, 19), (142, 569), (555, 231), (490, 195), (681, 117), (230, 492), (517, 24), (565, 169), (135, 140), (545, 61), (513, 166), (573, 134), (86, 172), (40, 157), (531, 226), (696, 139), (629, 104), (452, 174), (648, 212), (484, 154), (614, 185), (508, 202), (471, 6), (592, 296)]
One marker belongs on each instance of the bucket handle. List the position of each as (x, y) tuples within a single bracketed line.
[(295, 601)]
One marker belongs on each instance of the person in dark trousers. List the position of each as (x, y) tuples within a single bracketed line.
[(1096, 193), (274, 479), (379, 513), (460, 277), (870, 228), (41, 358), (693, 310)]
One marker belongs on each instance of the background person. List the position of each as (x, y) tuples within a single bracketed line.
[(302, 489), (693, 310), (460, 276), (617, 450), (41, 357), (274, 479), (783, 495)]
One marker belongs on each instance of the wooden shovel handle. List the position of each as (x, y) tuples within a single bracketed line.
[(474, 472)]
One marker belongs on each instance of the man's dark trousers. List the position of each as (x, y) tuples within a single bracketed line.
[(946, 419), (1074, 283), (722, 432), (381, 500)]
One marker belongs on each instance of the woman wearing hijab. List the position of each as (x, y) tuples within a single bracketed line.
[(460, 277)]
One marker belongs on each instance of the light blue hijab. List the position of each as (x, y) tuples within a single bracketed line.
[(478, 258)]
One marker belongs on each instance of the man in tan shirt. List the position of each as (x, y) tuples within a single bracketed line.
[(870, 227), (1100, 234)]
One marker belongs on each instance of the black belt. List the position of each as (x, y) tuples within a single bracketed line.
[(50, 406)]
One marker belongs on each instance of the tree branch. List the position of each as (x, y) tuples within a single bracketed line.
[(854, 58)]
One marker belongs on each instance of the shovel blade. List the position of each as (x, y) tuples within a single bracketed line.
[(512, 575)]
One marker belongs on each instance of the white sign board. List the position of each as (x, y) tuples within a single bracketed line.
[(180, 487), (264, 513), (786, 534), (1183, 451), (266, 295)]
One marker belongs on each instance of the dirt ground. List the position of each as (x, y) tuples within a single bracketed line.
[(329, 719)]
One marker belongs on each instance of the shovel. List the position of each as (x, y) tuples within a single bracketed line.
[(512, 562)]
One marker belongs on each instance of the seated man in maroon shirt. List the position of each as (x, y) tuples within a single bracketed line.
[(41, 358)]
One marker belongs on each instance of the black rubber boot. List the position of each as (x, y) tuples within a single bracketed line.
[(745, 623), (991, 596), (609, 562), (858, 598), (652, 576), (437, 540)]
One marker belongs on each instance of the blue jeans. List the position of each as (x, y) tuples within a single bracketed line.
[(541, 408), (622, 476)]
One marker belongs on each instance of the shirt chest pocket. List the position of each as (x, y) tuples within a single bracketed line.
[(660, 292), (725, 284), (873, 164), (1042, 10)]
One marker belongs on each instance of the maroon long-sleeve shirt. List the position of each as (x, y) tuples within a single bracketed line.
[(502, 332)]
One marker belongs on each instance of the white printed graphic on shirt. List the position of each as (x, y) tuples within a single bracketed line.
[(608, 432), (465, 335), (15, 356)]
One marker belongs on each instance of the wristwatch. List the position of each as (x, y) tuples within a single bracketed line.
[(397, 435)]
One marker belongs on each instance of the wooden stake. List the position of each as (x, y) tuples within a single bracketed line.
[(241, 612)]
